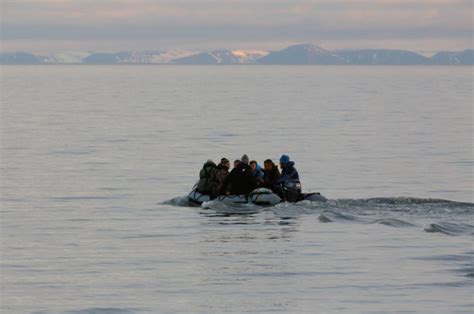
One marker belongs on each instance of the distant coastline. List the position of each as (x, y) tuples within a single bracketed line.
[(302, 54)]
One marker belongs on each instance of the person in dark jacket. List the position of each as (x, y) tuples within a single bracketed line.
[(270, 179), (241, 180), (221, 173), (288, 171), (236, 162), (205, 177)]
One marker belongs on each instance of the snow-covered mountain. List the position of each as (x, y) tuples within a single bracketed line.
[(455, 58), (223, 57), (312, 54), (249, 56), (213, 57), (305, 54), (382, 57), (20, 58), (68, 57), (136, 57), (302, 54)]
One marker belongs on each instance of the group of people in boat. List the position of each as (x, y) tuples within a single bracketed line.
[(246, 176)]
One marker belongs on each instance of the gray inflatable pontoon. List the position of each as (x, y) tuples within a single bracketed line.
[(261, 197)]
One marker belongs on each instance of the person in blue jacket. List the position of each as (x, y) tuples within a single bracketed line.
[(288, 170), (257, 171)]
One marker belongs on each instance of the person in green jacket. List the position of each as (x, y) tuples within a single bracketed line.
[(206, 176), (221, 173)]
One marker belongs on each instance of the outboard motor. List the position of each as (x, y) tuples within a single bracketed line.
[(292, 190)]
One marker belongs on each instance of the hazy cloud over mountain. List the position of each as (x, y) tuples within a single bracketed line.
[(260, 24)]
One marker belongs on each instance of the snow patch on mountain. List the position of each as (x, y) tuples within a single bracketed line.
[(68, 57)]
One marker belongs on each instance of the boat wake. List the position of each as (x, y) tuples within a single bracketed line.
[(446, 217), (229, 208), (450, 228)]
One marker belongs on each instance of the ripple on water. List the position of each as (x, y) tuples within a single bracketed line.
[(332, 216), (393, 222), (110, 310), (451, 228), (86, 198)]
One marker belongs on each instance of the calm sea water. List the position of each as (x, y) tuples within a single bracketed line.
[(95, 161)]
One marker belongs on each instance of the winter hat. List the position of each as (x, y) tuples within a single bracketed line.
[(284, 159), (245, 159)]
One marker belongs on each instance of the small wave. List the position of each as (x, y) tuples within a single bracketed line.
[(456, 284), (323, 218), (226, 208), (293, 210), (181, 201), (156, 235), (412, 206), (85, 198), (412, 200), (330, 216), (451, 228), (104, 311), (450, 258), (73, 152), (393, 222), (399, 201)]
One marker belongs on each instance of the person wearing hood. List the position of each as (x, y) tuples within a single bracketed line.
[(221, 173), (240, 179), (236, 163), (257, 172), (272, 175), (288, 170), (205, 177)]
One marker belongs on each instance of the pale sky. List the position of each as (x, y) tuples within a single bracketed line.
[(114, 25)]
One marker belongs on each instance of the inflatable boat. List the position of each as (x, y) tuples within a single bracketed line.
[(261, 197)]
